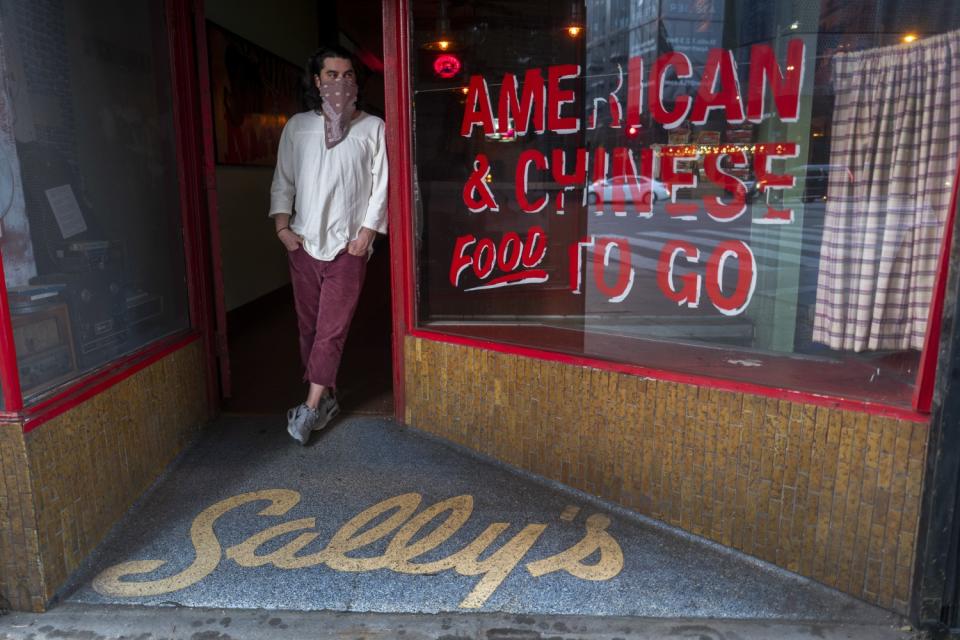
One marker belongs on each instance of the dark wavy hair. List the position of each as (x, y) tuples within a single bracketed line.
[(311, 95)]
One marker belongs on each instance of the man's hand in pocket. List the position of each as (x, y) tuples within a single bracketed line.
[(361, 245)]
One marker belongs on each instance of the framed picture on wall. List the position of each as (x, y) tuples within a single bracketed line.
[(254, 93)]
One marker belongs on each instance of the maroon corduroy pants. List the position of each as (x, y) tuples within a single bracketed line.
[(325, 294)]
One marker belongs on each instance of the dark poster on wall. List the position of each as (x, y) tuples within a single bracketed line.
[(254, 93)]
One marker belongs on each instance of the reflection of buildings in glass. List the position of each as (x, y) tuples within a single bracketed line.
[(881, 23), (619, 30)]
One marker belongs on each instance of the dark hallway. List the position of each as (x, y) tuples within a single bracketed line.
[(265, 363)]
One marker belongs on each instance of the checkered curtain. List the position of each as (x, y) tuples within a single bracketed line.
[(896, 127)]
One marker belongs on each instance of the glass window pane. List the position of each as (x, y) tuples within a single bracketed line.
[(746, 190), (91, 240)]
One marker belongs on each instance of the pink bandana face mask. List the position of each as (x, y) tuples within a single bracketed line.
[(339, 105)]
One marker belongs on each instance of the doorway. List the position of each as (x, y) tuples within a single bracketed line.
[(253, 46)]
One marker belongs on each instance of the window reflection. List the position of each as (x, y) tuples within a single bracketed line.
[(722, 189), (91, 242)]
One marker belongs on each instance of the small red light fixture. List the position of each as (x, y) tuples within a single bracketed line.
[(447, 66)]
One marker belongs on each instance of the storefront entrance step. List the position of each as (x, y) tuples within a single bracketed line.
[(374, 517), (81, 622)]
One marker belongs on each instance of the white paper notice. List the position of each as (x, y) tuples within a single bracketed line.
[(66, 210)]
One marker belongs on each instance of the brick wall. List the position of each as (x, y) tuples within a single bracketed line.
[(21, 584), (833, 495), (68, 481)]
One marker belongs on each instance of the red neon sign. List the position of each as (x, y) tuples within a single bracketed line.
[(446, 65)]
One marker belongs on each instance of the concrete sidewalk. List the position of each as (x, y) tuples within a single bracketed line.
[(372, 518), (86, 622)]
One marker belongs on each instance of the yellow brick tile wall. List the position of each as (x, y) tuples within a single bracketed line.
[(20, 583), (82, 470), (833, 495)]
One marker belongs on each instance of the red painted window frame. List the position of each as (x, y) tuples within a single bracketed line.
[(926, 377), (181, 15), (396, 57), (396, 21), (9, 376)]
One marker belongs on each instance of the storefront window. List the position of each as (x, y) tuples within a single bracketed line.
[(747, 190), (91, 245)]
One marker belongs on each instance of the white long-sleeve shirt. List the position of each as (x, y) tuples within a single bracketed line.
[(332, 192)]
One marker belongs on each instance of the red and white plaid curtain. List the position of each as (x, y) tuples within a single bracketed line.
[(896, 128)]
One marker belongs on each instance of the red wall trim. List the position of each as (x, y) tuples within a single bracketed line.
[(397, 101), (86, 387), (803, 397), (9, 375), (926, 378)]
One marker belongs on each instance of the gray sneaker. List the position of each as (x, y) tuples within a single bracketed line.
[(302, 420), (297, 419), (327, 410)]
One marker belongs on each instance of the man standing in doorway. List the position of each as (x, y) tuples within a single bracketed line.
[(332, 169)]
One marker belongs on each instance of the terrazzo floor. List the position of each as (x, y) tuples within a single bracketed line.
[(362, 461)]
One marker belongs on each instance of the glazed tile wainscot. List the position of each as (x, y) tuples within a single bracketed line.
[(830, 494), (66, 482)]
